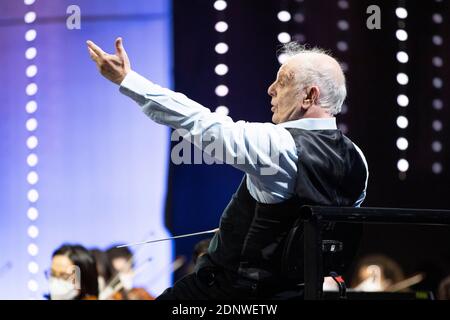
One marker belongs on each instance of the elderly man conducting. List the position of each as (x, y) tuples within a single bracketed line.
[(300, 159)]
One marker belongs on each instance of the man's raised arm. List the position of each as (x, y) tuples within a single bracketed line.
[(258, 149)]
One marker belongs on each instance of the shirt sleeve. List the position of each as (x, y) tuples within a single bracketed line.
[(265, 151)]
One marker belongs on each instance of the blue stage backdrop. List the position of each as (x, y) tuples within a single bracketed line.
[(90, 165)]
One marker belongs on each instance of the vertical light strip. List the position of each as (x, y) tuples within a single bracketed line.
[(284, 17), (221, 48), (343, 46), (402, 79), (32, 142), (291, 18), (299, 18), (437, 62)]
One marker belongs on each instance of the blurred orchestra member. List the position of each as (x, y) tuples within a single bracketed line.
[(73, 274), (200, 249), (105, 269), (444, 289), (376, 273), (122, 262)]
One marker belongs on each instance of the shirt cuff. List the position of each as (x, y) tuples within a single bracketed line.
[(136, 87)]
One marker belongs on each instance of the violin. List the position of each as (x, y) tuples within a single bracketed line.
[(133, 294)]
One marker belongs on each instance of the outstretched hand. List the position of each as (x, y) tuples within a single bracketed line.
[(113, 67)]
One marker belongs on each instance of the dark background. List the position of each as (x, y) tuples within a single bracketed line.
[(198, 193)]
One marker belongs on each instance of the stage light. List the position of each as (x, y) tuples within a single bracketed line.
[(402, 57), (282, 58), (402, 78), (29, 17), (401, 35), (344, 66), (33, 249), (343, 25), (284, 37), (437, 125), (402, 143), (343, 4), (342, 46), (31, 124), (30, 35), (33, 267), (437, 104), (221, 26), (31, 106), (437, 82), (221, 69), (222, 90), (343, 127), (32, 213), (402, 122), (220, 5), (223, 110), (32, 177), (437, 168), (221, 48), (31, 89), (32, 160), (401, 13), (32, 142), (437, 62), (284, 16), (33, 231), (299, 17), (436, 146), (30, 53), (33, 195), (437, 18), (437, 40), (33, 285), (31, 71), (402, 165), (299, 37), (402, 100)]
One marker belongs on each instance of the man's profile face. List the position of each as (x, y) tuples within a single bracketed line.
[(285, 95)]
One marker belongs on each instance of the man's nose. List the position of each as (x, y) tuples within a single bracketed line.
[(271, 90)]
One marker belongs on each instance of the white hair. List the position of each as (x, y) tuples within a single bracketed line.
[(332, 91)]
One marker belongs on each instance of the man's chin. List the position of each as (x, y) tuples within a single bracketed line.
[(275, 118)]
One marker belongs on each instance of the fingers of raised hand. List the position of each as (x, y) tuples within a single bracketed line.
[(97, 50)]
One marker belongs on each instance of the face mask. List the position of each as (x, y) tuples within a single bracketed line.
[(127, 280), (62, 289)]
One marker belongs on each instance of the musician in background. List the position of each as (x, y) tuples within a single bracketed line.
[(122, 261), (200, 249), (120, 287), (376, 273), (73, 274), (444, 289), (105, 269)]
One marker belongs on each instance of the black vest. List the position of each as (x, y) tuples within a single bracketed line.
[(250, 240)]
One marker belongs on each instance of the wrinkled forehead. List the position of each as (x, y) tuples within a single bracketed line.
[(285, 71)]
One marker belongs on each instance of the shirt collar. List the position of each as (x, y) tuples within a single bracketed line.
[(311, 124)]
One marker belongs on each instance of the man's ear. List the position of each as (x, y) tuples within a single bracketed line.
[(310, 97)]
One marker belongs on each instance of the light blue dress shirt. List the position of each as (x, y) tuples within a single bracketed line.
[(272, 144)]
